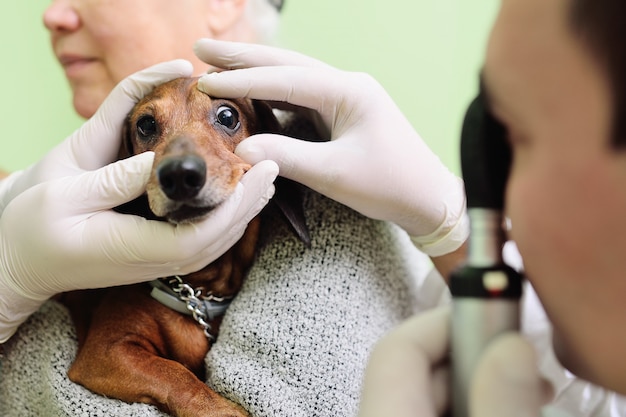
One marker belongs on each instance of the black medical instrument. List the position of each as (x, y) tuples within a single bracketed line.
[(485, 291)]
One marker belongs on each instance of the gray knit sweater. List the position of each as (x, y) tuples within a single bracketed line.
[(294, 342)]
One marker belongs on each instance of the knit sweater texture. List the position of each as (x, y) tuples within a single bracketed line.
[(294, 342)]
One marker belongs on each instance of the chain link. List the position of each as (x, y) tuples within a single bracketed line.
[(194, 300)]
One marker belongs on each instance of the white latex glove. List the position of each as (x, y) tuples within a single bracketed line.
[(62, 235), (507, 381), (375, 162), (407, 374), (97, 142)]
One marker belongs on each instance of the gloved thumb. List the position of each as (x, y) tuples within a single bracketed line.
[(256, 188), (297, 160), (507, 381), (111, 185)]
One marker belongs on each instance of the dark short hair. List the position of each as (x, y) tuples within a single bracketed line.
[(601, 25)]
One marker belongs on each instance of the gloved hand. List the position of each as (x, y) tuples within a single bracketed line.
[(97, 142), (60, 234), (375, 162), (507, 381), (407, 374)]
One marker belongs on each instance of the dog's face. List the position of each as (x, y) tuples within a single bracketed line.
[(194, 137)]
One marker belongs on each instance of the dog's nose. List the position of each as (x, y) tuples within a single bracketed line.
[(182, 177)]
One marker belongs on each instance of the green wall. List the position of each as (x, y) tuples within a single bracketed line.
[(426, 53)]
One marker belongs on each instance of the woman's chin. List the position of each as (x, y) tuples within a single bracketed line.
[(87, 99)]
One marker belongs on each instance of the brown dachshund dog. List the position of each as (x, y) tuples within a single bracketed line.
[(142, 348)]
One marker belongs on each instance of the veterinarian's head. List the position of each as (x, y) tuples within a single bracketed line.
[(100, 42), (554, 75)]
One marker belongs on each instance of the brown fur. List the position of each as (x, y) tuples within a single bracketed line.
[(132, 347)]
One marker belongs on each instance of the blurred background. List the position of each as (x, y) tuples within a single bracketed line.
[(427, 54)]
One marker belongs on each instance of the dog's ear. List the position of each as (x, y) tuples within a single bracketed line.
[(267, 122), (289, 198), (289, 195), (126, 145), (138, 206)]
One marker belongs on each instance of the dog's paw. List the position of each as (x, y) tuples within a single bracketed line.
[(233, 411), (227, 408), (211, 405)]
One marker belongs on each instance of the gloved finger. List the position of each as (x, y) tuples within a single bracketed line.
[(109, 186), (298, 160), (99, 140), (258, 183), (507, 381), (403, 375), (231, 218), (321, 89), (235, 55)]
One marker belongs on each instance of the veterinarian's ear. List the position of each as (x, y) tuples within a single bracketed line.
[(223, 15)]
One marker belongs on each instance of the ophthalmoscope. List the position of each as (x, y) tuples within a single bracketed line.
[(485, 291)]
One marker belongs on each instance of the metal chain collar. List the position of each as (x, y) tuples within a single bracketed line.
[(195, 302)]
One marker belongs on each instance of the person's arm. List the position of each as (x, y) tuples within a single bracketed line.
[(375, 162)]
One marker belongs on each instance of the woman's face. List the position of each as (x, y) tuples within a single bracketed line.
[(100, 42), (566, 195)]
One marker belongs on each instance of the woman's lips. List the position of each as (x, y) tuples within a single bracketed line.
[(74, 65)]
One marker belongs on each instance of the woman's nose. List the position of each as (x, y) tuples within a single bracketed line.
[(61, 16)]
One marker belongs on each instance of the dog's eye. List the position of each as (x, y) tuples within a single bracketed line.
[(227, 117), (146, 126)]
